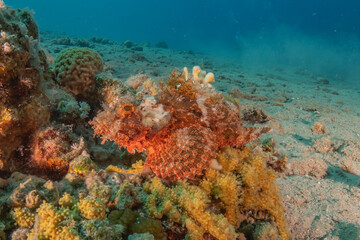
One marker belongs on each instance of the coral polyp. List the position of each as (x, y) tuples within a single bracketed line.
[(181, 127)]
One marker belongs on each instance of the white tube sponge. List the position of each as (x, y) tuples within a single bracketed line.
[(198, 74), (209, 78), (186, 71)]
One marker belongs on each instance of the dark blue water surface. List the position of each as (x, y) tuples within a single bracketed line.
[(321, 35)]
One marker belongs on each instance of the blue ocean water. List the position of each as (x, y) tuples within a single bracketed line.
[(322, 36)]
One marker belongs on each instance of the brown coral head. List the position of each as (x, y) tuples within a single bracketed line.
[(125, 110), (75, 69)]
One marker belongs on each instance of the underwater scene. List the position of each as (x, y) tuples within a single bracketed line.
[(156, 120)]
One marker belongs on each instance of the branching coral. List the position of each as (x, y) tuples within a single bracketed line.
[(181, 127)]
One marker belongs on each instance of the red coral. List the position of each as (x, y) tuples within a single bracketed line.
[(201, 122)]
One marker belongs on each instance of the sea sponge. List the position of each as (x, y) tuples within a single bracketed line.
[(92, 208), (75, 70), (201, 76), (198, 74), (135, 168)]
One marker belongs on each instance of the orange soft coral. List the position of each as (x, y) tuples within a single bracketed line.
[(181, 127)]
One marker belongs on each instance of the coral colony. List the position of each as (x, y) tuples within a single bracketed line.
[(181, 167)]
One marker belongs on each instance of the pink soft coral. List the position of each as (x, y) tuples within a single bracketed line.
[(195, 121)]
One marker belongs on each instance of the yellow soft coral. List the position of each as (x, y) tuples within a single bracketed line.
[(66, 200), (260, 191), (23, 217), (244, 183), (196, 231), (225, 187), (53, 224), (136, 168), (165, 196), (230, 158), (193, 202), (92, 208)]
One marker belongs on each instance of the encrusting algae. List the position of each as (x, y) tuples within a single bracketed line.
[(195, 175)]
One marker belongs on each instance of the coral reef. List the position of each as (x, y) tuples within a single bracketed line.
[(181, 126), (240, 199), (23, 108), (75, 70), (208, 184), (30, 100)]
